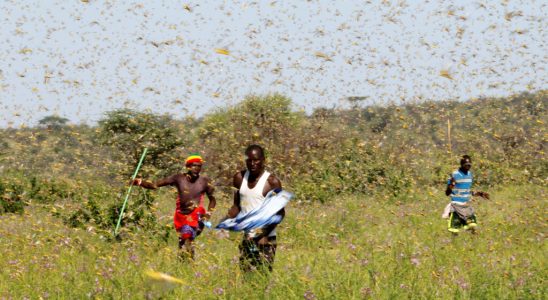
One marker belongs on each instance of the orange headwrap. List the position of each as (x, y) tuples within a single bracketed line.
[(192, 159)]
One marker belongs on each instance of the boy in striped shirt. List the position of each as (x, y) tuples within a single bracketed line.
[(459, 189)]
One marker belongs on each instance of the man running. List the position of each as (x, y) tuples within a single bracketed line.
[(258, 247), (189, 212), (459, 189)]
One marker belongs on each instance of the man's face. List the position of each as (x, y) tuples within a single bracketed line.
[(466, 165), (254, 161), (194, 168)]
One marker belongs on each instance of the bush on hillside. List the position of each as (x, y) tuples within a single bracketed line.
[(11, 196), (129, 132), (267, 121), (18, 189), (101, 209), (387, 149)]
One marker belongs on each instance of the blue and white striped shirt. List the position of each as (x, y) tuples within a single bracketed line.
[(462, 192)]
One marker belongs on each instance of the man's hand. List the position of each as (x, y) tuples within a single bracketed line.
[(482, 194), (450, 186), (263, 241), (233, 212)]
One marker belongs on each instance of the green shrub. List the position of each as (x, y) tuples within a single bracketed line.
[(101, 209), (267, 121), (358, 169), (11, 196), (45, 190)]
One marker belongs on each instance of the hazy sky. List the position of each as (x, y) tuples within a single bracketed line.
[(79, 59)]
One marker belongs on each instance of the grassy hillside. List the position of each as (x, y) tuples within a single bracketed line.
[(508, 134), (365, 223)]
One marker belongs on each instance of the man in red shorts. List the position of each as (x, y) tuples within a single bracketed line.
[(190, 211)]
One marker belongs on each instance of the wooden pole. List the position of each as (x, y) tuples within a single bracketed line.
[(449, 136)]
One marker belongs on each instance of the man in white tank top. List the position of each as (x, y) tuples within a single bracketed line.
[(258, 246)]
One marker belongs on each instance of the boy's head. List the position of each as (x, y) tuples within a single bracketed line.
[(466, 163)]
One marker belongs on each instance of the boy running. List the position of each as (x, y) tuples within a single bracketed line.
[(459, 189)]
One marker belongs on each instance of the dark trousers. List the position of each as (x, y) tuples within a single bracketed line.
[(255, 256), (457, 222)]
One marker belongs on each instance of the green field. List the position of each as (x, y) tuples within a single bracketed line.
[(355, 247)]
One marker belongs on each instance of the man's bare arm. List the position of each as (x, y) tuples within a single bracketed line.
[(481, 194), (274, 183), (212, 201), (236, 183), (154, 185), (450, 187)]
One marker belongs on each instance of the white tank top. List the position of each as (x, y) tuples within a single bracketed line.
[(252, 198)]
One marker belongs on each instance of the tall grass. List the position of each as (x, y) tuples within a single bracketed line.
[(354, 247)]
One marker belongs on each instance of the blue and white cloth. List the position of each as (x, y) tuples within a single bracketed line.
[(263, 215), (461, 193)]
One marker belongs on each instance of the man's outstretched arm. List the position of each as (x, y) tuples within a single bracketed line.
[(481, 194), (154, 185)]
